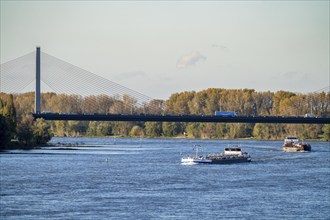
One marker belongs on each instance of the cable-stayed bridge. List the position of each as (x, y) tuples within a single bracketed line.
[(40, 71), (19, 75)]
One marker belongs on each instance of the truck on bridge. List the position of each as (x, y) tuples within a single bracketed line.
[(225, 114)]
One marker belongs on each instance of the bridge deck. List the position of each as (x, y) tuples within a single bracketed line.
[(184, 118)]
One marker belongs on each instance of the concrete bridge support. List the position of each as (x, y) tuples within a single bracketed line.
[(37, 93)]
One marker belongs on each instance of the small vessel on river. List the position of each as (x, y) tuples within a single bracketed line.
[(292, 144), (230, 155)]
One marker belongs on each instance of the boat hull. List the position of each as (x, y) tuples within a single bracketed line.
[(231, 161), (305, 148), (215, 160), (297, 147), (195, 161)]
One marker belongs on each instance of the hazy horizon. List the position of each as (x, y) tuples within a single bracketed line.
[(160, 48)]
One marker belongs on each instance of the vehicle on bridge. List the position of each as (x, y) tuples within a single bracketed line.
[(225, 114), (47, 112)]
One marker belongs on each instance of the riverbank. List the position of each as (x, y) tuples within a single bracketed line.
[(15, 145), (192, 138)]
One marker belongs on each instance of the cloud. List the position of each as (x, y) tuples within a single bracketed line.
[(189, 59)]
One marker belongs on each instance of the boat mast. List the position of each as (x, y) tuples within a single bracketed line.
[(196, 146)]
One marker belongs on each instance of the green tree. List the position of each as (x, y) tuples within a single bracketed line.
[(9, 112), (24, 104), (326, 132), (122, 128), (310, 131), (171, 129), (25, 131), (92, 128), (60, 128), (194, 130), (153, 129), (4, 134), (1, 107), (221, 130), (137, 131), (208, 130), (155, 106), (259, 131), (241, 130), (104, 129), (41, 131), (75, 128)]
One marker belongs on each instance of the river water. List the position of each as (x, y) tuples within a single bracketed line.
[(108, 178)]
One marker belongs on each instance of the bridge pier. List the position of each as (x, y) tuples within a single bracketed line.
[(37, 92)]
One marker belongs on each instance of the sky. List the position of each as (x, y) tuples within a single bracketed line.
[(162, 47)]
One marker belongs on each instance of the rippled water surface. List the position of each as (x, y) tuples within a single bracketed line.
[(106, 178)]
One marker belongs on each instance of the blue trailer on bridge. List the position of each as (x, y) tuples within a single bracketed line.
[(225, 114)]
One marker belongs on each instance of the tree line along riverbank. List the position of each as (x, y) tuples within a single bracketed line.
[(17, 123)]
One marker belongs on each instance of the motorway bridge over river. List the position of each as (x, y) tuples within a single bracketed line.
[(65, 72), (183, 118)]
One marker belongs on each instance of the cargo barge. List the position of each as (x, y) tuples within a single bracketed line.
[(230, 155)]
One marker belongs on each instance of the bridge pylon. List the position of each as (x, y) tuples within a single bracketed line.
[(37, 92)]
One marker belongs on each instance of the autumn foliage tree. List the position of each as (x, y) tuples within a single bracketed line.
[(20, 126), (247, 102)]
